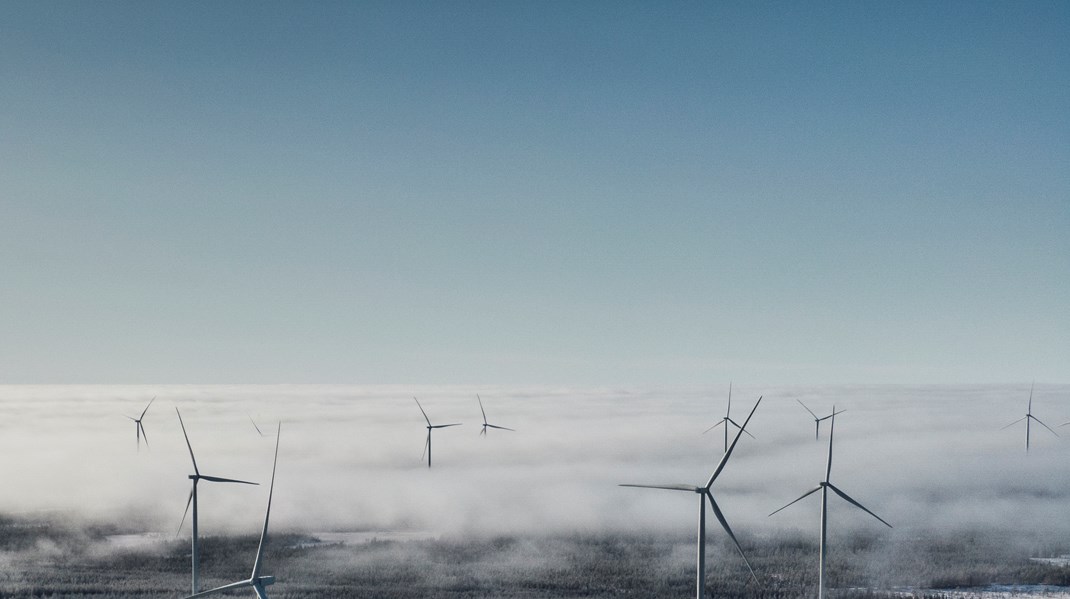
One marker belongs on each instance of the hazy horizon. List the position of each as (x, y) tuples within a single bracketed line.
[(921, 457)]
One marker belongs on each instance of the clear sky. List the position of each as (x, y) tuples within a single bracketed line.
[(540, 192)]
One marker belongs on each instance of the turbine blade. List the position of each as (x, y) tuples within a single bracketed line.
[(1064, 424), (183, 522), (195, 470), (422, 411), (141, 427), (729, 411), (147, 407), (856, 504), (483, 430), (834, 412), (688, 488), (1041, 423), (801, 497), (1031, 385), (728, 454), (728, 529), (426, 443), (736, 424), (806, 408), (226, 587), (267, 514), (255, 426), (260, 593), (832, 429), (481, 409), (445, 425), (501, 427), (217, 479), (713, 427), (1015, 422)]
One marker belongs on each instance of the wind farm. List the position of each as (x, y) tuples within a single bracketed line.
[(507, 523), (619, 221)]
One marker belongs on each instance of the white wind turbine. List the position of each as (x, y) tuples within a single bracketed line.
[(727, 420), (197, 477), (486, 425), (817, 419), (824, 487), (427, 445), (140, 428), (255, 580), (705, 494), (1029, 417)]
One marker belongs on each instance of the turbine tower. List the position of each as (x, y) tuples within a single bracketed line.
[(705, 494), (256, 581), (1029, 417), (817, 420), (197, 477), (486, 425), (824, 487), (427, 445), (140, 428), (727, 420)]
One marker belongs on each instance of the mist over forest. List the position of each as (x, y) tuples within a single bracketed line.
[(924, 458)]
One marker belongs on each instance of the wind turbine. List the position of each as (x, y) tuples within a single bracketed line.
[(197, 477), (727, 420), (705, 494), (427, 445), (817, 420), (140, 428), (824, 487), (256, 581), (1028, 417), (486, 425)]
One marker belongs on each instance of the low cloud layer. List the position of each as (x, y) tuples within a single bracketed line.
[(923, 458)]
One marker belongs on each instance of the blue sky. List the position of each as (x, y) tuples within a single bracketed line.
[(558, 193)]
